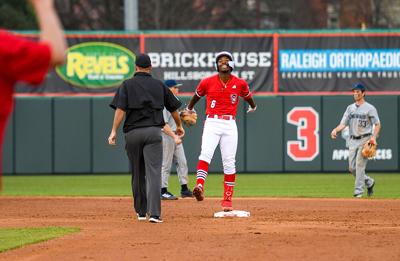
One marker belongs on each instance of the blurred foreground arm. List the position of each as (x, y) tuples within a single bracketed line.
[(51, 30)]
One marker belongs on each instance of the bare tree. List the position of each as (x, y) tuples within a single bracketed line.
[(91, 14), (211, 14), (385, 13), (355, 14), (17, 15), (198, 14)]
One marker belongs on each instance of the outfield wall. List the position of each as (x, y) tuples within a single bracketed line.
[(286, 134)]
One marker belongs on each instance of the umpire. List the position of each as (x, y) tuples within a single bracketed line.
[(141, 100)]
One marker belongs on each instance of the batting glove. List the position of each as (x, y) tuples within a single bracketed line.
[(190, 111), (250, 109)]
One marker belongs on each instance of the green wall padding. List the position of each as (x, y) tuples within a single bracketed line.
[(106, 158), (8, 148), (72, 135), (264, 136), (34, 135)]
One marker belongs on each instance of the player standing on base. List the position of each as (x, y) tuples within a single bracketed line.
[(360, 116), (222, 92)]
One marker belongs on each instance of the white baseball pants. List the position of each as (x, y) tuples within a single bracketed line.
[(224, 133)]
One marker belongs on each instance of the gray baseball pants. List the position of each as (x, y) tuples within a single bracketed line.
[(173, 153), (144, 149), (358, 164)]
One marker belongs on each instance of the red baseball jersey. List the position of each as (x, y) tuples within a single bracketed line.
[(223, 99), (20, 60)]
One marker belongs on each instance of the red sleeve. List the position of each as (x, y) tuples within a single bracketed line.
[(24, 60), (245, 91), (201, 89)]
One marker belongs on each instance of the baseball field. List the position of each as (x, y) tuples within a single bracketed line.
[(293, 217)]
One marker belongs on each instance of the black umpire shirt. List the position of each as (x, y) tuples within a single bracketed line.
[(143, 98)]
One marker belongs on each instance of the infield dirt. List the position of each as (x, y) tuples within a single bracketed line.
[(278, 229)]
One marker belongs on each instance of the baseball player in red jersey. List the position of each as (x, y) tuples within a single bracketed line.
[(27, 61), (222, 93)]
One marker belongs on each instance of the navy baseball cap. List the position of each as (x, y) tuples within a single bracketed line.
[(143, 60), (358, 86), (172, 83)]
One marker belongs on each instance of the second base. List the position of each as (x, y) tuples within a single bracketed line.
[(233, 213)]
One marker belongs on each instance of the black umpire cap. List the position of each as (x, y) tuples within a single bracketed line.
[(358, 86), (143, 60)]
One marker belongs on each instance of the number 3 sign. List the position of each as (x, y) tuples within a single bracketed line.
[(306, 147)]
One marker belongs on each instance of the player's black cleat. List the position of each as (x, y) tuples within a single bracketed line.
[(155, 219), (141, 217), (370, 190), (168, 196), (186, 193)]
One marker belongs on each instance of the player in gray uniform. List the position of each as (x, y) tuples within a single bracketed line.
[(173, 152), (363, 121)]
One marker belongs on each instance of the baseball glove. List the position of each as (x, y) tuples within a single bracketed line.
[(189, 118), (369, 150)]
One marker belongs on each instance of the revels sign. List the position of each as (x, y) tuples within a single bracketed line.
[(97, 65)]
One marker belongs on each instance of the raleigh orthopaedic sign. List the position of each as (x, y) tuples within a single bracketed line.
[(354, 60), (97, 65), (331, 63)]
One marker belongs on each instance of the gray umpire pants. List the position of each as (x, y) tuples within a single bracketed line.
[(358, 164), (173, 153), (144, 149)]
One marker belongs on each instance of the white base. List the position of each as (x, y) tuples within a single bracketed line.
[(233, 213)]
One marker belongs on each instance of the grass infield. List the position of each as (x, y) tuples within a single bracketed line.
[(11, 238), (247, 185)]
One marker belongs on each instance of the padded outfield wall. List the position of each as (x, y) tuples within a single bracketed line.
[(285, 134)]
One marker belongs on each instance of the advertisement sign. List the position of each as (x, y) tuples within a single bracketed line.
[(95, 63), (281, 63), (188, 59), (326, 63)]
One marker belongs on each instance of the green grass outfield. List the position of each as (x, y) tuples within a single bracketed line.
[(11, 238), (247, 185)]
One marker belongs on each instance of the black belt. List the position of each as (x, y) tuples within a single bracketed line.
[(360, 137)]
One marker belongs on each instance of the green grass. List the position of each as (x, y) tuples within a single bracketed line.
[(247, 185), (67, 185), (11, 238)]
